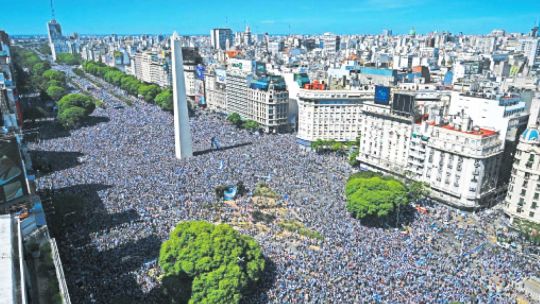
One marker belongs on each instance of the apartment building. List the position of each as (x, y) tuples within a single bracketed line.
[(523, 197), (215, 86), (150, 67), (457, 159), (330, 114)]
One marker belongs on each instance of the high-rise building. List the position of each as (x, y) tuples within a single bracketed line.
[(221, 38), (57, 42), (331, 43), (149, 67), (531, 50), (182, 132)]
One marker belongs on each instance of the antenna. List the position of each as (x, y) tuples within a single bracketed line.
[(52, 10)]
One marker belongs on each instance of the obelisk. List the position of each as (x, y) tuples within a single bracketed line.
[(182, 132)]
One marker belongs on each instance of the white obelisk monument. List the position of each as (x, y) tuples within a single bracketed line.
[(182, 133)]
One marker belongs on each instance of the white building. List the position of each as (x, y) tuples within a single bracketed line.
[(523, 197), (149, 67), (531, 49), (330, 114), (458, 160), (505, 114), (384, 140), (264, 99), (330, 43), (216, 95)]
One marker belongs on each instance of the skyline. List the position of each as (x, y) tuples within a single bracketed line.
[(189, 18)]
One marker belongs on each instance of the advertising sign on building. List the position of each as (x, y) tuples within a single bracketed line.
[(382, 95), (199, 72), (221, 76), (240, 64)]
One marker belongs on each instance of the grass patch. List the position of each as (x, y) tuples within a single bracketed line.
[(264, 190), (299, 228)]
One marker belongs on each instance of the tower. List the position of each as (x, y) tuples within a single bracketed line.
[(182, 132)]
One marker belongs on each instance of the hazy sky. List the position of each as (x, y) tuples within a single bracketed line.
[(274, 17)]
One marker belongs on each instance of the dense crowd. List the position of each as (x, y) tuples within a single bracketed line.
[(135, 191)]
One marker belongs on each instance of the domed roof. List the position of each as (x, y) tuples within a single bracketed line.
[(531, 134)]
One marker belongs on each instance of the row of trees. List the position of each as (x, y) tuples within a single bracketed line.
[(207, 263), (69, 59), (332, 145), (247, 124), (35, 75), (374, 196), (149, 92)]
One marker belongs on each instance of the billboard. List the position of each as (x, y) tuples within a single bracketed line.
[(382, 95), (403, 104), (199, 93), (260, 68), (240, 64), (199, 72), (221, 76)]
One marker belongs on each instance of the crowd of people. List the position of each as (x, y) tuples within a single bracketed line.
[(134, 192)]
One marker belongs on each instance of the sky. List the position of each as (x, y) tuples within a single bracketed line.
[(273, 17)]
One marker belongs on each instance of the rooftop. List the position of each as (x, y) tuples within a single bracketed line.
[(476, 131)]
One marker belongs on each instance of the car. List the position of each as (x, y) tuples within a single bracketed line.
[(118, 106)]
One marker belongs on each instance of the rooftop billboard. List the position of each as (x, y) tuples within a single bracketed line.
[(382, 95)]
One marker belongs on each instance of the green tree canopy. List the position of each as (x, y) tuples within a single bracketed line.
[(221, 262), (56, 92), (54, 75), (149, 91), (370, 195), (39, 68), (165, 100), (72, 116), (235, 118), (250, 125), (69, 59), (83, 101), (417, 190)]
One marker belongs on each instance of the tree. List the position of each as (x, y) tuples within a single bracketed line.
[(235, 119), (148, 91), (221, 263), (374, 196), (54, 75), (165, 100), (69, 59), (250, 125), (45, 49), (417, 190), (72, 116), (352, 158), (78, 100), (56, 92), (39, 68)]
